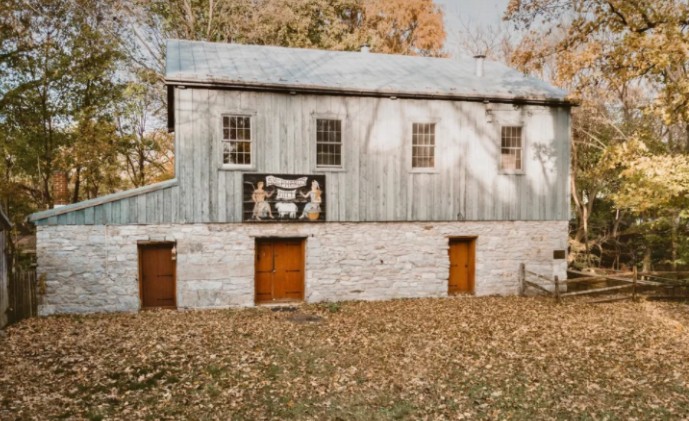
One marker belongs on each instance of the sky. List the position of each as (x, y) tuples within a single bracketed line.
[(469, 12)]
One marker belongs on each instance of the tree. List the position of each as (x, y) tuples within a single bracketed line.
[(147, 152), (496, 42), (59, 65), (81, 81), (412, 27), (403, 27), (624, 40), (626, 61)]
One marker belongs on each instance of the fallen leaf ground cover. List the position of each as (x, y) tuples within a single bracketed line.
[(473, 358)]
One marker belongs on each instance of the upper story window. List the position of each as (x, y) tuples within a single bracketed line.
[(423, 145), (328, 143), (511, 149), (236, 140)]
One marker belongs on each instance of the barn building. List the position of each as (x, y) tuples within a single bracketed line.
[(307, 175)]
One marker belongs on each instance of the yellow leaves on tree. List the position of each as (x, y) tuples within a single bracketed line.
[(412, 27), (404, 27), (649, 182), (601, 42)]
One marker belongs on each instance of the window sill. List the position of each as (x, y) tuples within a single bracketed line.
[(504, 172), (424, 171), (327, 169), (226, 167)]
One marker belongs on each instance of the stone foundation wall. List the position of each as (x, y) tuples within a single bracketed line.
[(94, 268)]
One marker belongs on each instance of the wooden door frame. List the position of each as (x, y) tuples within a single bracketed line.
[(471, 239), (140, 245), (302, 240)]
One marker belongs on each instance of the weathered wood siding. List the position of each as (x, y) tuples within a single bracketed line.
[(156, 207), (377, 182)]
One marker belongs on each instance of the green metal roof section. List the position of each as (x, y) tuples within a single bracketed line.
[(38, 216)]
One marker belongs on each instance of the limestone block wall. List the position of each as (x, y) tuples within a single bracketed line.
[(94, 268)]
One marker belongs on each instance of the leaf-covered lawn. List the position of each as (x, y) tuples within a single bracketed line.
[(496, 358)]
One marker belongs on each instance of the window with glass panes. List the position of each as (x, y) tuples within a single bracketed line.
[(328, 143), (236, 140), (423, 145), (511, 148)]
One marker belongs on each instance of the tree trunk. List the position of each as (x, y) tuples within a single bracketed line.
[(647, 267), (675, 239), (142, 169), (77, 185), (585, 227)]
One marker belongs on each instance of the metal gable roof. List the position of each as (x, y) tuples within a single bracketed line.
[(267, 67)]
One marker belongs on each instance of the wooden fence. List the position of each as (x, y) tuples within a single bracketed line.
[(629, 283), (22, 295)]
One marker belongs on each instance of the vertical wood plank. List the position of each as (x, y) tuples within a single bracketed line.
[(79, 217), (97, 214), (166, 211), (237, 203), (231, 197), (213, 156), (116, 213), (124, 212), (87, 216), (184, 136), (174, 205), (141, 204), (106, 216), (153, 207)]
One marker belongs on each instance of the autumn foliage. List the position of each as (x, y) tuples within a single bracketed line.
[(626, 63), (455, 358), (81, 81)]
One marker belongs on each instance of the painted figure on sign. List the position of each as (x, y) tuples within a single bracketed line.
[(261, 207), (312, 209)]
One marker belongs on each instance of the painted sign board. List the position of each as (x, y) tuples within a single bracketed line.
[(283, 198)]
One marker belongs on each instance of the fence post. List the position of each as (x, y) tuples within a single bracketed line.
[(634, 279), (557, 289), (522, 278)]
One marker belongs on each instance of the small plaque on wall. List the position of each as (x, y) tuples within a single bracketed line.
[(283, 198), (559, 254)]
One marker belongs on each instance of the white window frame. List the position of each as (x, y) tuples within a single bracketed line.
[(410, 159), (253, 141), (343, 141), (511, 171)]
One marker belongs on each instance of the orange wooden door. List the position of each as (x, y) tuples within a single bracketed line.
[(264, 271), (461, 267), (289, 265), (279, 270), (157, 276)]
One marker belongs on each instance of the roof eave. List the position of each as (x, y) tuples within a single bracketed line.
[(329, 90)]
